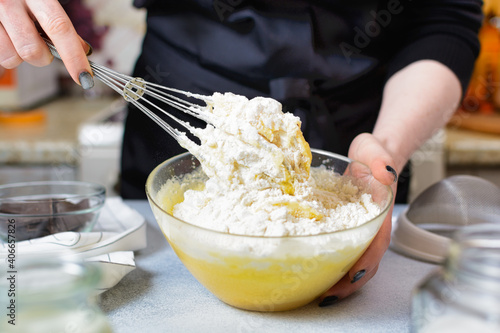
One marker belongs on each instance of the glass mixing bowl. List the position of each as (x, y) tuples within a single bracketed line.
[(265, 273)]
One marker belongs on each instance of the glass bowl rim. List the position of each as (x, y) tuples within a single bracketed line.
[(390, 197), (98, 190), (83, 276)]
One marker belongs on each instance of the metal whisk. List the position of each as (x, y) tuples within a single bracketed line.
[(133, 89)]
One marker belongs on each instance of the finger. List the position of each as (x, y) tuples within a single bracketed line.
[(364, 269), (370, 260), (343, 288), (58, 27), (9, 57), (85, 45), (368, 150), (23, 34)]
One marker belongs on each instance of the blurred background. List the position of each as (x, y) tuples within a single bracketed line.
[(50, 129)]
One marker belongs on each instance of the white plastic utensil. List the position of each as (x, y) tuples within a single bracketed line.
[(423, 230)]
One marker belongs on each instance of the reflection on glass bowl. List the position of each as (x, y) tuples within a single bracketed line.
[(37, 209)]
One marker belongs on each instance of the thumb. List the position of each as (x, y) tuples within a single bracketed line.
[(367, 149)]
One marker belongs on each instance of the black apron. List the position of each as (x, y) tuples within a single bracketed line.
[(297, 53)]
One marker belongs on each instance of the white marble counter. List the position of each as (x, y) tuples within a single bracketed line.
[(52, 140), (160, 295)]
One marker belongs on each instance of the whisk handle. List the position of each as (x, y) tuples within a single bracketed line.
[(54, 51)]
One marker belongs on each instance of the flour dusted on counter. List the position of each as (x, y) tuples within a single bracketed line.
[(259, 176)]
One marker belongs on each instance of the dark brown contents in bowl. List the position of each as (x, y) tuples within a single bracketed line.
[(52, 218)]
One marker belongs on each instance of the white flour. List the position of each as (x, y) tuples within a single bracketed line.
[(260, 182)]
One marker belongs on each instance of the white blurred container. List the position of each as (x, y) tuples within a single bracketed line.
[(100, 142), (26, 86)]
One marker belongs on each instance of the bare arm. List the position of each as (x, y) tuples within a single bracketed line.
[(417, 101)]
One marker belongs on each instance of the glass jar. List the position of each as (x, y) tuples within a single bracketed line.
[(51, 296), (464, 294)]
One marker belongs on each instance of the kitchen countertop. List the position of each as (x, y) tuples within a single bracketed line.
[(54, 138), (160, 295), (471, 148)]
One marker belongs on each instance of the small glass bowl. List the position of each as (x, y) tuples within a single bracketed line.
[(266, 273), (52, 294), (36, 209)]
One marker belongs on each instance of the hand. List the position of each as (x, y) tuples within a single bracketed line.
[(367, 149), (21, 40)]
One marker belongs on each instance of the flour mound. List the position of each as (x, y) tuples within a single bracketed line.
[(260, 180)]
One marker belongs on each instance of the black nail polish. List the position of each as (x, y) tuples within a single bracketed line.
[(329, 300), (86, 80), (391, 170), (358, 276), (91, 49)]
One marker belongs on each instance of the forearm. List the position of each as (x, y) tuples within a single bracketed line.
[(418, 100)]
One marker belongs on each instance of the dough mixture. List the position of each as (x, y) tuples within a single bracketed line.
[(259, 177)]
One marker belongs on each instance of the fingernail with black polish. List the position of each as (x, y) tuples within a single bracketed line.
[(391, 170), (91, 49), (329, 300), (358, 276), (86, 80)]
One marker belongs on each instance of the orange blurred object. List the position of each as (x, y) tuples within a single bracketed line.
[(23, 117), (477, 122), (483, 93), (7, 79)]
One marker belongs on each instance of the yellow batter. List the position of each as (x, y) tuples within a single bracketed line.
[(273, 282), (280, 285), (258, 167)]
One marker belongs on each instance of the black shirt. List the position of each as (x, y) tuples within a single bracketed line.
[(326, 61)]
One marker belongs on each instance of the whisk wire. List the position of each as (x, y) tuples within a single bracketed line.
[(134, 90)]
